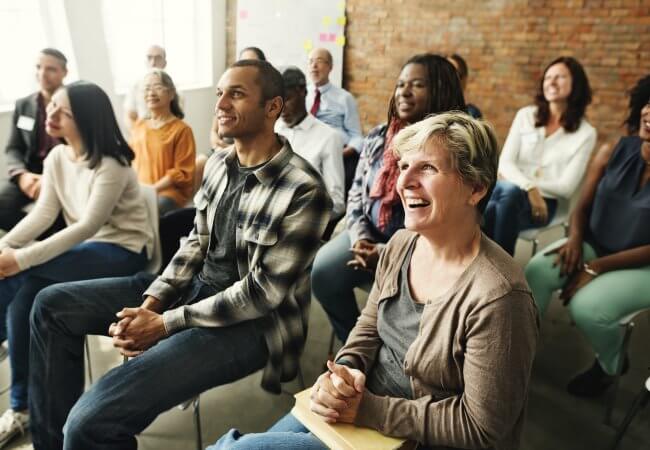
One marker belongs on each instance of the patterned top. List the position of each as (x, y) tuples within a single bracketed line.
[(282, 214), (362, 214)]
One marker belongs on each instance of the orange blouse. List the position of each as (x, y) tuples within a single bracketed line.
[(167, 151)]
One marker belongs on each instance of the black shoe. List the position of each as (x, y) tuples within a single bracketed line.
[(594, 381)]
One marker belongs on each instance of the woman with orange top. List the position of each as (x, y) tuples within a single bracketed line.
[(164, 146)]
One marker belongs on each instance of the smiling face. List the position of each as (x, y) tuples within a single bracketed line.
[(320, 66), (60, 120), (432, 191), (294, 105), (412, 93), (157, 96), (557, 83), (240, 110), (49, 72), (644, 126)]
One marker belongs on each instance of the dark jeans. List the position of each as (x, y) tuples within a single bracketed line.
[(128, 398), (12, 202), (333, 281), (84, 261), (508, 213), (350, 169)]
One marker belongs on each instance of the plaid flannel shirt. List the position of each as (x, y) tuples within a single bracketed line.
[(283, 211)]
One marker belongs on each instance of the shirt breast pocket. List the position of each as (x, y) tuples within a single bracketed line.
[(528, 149)]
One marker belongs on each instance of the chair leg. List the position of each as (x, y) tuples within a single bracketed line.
[(89, 365), (197, 422), (639, 403), (330, 348), (301, 379), (611, 400), (535, 244)]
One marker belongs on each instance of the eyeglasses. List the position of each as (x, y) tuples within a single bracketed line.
[(155, 88)]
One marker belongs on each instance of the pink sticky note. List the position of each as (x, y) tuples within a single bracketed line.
[(332, 37), (322, 37), (243, 14)]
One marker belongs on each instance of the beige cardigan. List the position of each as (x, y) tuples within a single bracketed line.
[(470, 363)]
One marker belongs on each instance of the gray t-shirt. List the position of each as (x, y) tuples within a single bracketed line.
[(220, 267), (398, 323)]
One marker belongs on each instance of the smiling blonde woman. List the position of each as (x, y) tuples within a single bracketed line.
[(443, 350)]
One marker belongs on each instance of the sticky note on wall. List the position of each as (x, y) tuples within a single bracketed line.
[(340, 41)]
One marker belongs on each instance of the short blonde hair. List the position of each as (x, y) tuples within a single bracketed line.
[(472, 146)]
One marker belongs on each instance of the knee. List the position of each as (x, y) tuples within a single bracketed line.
[(81, 424), (587, 313)]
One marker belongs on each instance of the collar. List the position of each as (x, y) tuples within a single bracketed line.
[(270, 170), (324, 88)]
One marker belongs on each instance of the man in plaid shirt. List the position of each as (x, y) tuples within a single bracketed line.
[(234, 299)]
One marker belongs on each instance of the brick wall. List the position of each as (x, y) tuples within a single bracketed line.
[(506, 43)]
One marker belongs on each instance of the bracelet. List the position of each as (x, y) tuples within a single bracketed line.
[(589, 270)]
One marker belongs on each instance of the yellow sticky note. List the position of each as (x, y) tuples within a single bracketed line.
[(307, 45), (327, 20), (341, 20), (340, 41), (341, 6)]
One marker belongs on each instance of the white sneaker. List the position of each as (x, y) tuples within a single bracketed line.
[(12, 423)]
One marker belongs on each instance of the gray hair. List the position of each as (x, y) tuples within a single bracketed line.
[(167, 81), (471, 143)]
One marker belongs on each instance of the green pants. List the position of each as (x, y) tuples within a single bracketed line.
[(598, 307)]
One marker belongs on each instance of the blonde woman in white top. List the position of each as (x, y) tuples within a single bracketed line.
[(545, 154), (89, 180)]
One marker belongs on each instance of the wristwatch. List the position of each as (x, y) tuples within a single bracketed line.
[(589, 270)]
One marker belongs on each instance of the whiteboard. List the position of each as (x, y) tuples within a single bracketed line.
[(287, 30)]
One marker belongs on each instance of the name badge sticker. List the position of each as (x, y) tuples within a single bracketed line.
[(26, 123)]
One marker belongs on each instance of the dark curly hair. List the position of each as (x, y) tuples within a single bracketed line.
[(639, 97), (577, 102), (445, 93)]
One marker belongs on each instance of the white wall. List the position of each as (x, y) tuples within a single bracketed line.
[(87, 33)]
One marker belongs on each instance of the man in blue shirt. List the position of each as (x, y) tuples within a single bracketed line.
[(336, 107)]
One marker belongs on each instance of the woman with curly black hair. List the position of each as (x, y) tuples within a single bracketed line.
[(603, 267)]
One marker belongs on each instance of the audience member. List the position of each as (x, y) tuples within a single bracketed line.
[(252, 53), (603, 267), (443, 351), (234, 299), (427, 84), (28, 143), (463, 71), (164, 145), (217, 141), (108, 233), (545, 154), (135, 106), (318, 143), (336, 107)]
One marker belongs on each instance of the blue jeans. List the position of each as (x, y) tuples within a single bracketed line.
[(128, 398), (508, 212), (83, 261), (287, 434), (332, 283)]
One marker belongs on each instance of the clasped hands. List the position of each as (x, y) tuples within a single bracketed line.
[(569, 258), (337, 393), (137, 330)]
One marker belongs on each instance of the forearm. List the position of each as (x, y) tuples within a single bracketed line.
[(635, 257), (164, 183)]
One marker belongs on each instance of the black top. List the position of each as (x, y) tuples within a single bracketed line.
[(620, 215), (398, 324), (220, 268)]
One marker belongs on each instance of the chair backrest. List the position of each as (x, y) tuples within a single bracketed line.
[(151, 203)]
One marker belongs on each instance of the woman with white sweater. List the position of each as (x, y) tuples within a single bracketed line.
[(89, 180), (545, 154)]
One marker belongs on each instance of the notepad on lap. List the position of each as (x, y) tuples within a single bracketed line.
[(342, 436)]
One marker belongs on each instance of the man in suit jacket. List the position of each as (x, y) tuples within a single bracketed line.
[(28, 143)]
